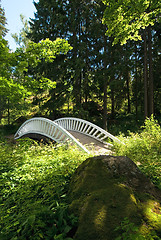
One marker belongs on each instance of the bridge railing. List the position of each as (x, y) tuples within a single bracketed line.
[(47, 128), (85, 127)]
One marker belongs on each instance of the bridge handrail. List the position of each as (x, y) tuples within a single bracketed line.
[(47, 128), (85, 127)]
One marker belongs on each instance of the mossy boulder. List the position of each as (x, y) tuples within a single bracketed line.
[(105, 190)]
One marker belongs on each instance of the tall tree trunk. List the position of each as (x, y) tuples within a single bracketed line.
[(145, 76), (1, 107), (151, 87), (105, 104), (128, 92), (136, 83), (113, 103), (127, 77), (105, 79), (86, 84), (8, 112), (111, 56), (76, 85)]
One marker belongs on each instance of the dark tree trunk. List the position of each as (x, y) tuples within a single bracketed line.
[(151, 87), (136, 83), (127, 77), (128, 92), (8, 112), (105, 105), (145, 76), (113, 103), (105, 86), (76, 85)]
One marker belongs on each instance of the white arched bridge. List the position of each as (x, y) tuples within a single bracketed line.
[(77, 130)]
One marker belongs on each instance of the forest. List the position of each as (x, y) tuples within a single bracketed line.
[(97, 60), (89, 74)]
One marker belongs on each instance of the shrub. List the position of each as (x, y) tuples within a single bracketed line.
[(144, 149)]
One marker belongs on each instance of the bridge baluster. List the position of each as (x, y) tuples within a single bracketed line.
[(54, 131), (67, 125), (92, 130), (69, 122), (63, 122), (73, 124), (46, 127), (62, 138), (99, 135), (49, 129), (89, 127), (104, 137), (86, 126), (76, 126), (82, 126), (79, 126), (95, 133)]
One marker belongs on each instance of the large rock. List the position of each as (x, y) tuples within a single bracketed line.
[(106, 189)]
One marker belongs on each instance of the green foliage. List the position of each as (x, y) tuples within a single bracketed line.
[(129, 231), (45, 50), (124, 19), (21, 38), (3, 29), (144, 149), (11, 89), (33, 181), (18, 78)]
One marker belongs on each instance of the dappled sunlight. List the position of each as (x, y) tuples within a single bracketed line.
[(100, 217), (34, 180), (152, 213)]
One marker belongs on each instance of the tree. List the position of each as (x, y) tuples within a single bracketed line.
[(4, 72), (3, 22), (125, 19), (94, 71), (27, 60), (16, 80), (80, 23), (128, 19), (21, 38)]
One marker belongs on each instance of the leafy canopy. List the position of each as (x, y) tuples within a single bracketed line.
[(23, 59), (19, 75), (35, 53), (124, 18)]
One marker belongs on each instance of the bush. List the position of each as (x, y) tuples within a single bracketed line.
[(144, 149)]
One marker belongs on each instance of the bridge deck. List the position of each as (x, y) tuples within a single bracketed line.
[(92, 144)]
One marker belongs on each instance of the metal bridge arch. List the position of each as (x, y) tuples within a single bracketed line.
[(47, 128), (58, 130), (85, 127)]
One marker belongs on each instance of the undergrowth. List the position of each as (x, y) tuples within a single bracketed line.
[(34, 180), (144, 149), (33, 184)]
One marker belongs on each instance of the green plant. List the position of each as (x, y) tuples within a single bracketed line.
[(34, 181), (129, 231), (144, 149)]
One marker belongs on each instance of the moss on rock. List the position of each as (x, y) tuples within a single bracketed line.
[(106, 189)]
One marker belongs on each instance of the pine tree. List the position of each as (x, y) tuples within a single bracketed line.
[(3, 22)]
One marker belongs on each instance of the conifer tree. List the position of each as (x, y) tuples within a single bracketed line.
[(3, 22)]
